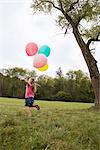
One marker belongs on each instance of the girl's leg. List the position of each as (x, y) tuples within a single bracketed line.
[(33, 105), (28, 111), (36, 106)]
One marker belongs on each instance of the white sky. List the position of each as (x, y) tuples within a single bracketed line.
[(18, 27)]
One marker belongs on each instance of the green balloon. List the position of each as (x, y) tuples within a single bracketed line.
[(44, 50)]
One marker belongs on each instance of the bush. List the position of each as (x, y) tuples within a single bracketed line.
[(61, 95)]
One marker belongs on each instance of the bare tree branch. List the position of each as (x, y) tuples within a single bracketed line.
[(62, 10), (72, 6), (80, 18), (70, 20), (66, 29), (93, 40), (52, 4), (47, 1), (61, 7)]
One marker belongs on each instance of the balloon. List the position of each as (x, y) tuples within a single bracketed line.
[(44, 68), (31, 49), (44, 50), (40, 60)]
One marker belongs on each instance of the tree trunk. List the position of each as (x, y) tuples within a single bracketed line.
[(96, 87), (91, 63)]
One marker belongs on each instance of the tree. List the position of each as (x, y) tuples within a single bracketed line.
[(73, 15), (18, 73), (14, 72), (46, 88), (59, 72), (78, 84)]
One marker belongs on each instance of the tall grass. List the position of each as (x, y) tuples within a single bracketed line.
[(57, 126)]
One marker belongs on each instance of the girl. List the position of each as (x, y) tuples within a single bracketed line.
[(29, 95)]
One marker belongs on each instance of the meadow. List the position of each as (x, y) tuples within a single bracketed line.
[(56, 126)]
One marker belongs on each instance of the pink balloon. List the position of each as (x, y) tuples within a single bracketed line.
[(39, 60), (31, 49)]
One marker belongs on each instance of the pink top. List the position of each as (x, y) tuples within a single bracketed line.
[(29, 91)]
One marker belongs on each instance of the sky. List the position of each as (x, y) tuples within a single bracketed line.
[(18, 27)]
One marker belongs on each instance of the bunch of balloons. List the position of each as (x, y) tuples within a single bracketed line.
[(41, 54)]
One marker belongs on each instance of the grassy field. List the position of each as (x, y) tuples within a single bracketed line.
[(57, 126)]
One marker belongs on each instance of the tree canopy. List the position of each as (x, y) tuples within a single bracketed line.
[(83, 13)]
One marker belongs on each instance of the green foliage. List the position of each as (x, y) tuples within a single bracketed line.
[(79, 11), (93, 32), (75, 86), (61, 95), (18, 73)]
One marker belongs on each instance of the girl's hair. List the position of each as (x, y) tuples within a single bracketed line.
[(32, 82)]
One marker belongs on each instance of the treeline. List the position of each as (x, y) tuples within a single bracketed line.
[(74, 86)]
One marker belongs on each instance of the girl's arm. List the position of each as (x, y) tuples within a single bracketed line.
[(27, 82), (37, 84)]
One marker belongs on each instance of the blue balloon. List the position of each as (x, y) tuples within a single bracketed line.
[(44, 50)]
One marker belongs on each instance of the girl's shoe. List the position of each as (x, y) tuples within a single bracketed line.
[(37, 107)]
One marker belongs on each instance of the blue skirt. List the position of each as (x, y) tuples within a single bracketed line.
[(29, 101)]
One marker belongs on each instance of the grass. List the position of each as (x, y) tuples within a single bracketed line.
[(57, 126)]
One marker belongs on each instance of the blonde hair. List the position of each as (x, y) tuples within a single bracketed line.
[(32, 82)]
